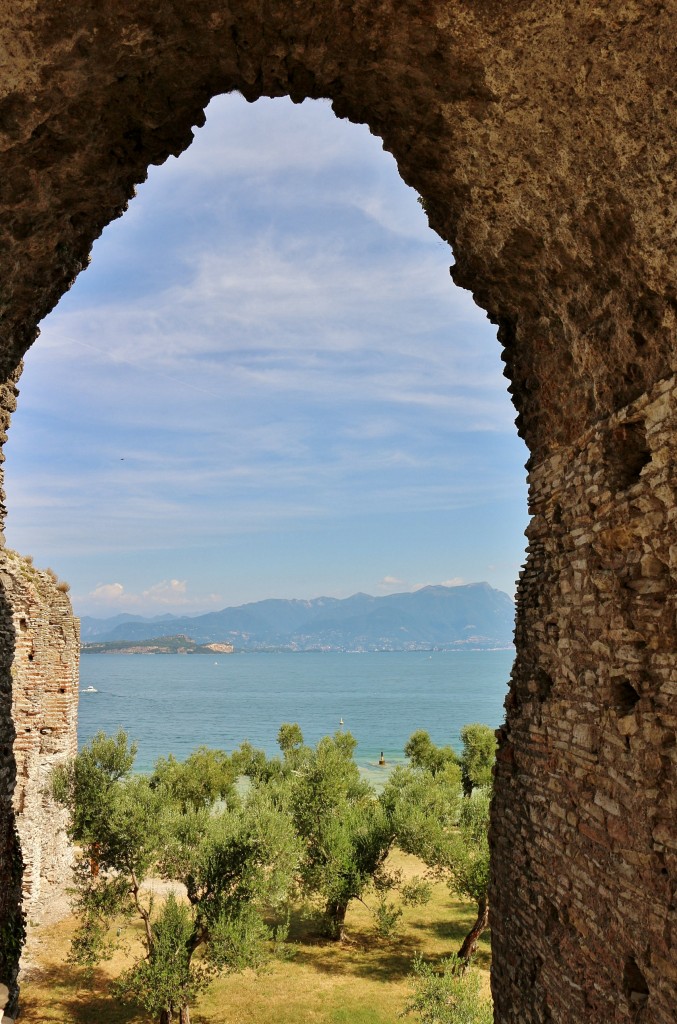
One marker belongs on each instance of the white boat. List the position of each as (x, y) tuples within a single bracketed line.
[(89, 689)]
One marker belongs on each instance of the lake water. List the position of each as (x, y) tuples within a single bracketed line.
[(173, 703)]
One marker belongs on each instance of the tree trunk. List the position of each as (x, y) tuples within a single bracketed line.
[(184, 1015), (94, 851), (166, 1017), (472, 938), (336, 917)]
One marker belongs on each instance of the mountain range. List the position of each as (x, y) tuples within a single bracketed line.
[(432, 618)]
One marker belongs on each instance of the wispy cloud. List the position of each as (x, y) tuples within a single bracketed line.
[(269, 337), (455, 581), (174, 594), (392, 584), (107, 593), (389, 583)]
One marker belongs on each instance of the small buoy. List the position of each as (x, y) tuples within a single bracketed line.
[(340, 721), (381, 759)]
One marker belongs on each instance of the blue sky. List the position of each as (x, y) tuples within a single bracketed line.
[(266, 385)]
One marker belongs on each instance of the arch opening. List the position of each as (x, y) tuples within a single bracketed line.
[(406, 325), (542, 144)]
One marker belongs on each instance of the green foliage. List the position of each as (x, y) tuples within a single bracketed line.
[(346, 831), (387, 916), (236, 860), (467, 855), (432, 819), (308, 825), (289, 737), (416, 892), (253, 763), (245, 856), (479, 754), (435, 822), (167, 979), (240, 941), (282, 949), (423, 808), (97, 901), (199, 781), (423, 753), (87, 784), (451, 995)]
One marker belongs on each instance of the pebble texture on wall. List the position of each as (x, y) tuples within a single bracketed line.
[(585, 816), (541, 137)]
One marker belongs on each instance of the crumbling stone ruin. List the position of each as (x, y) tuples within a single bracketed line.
[(44, 676), (44, 708), (541, 137)]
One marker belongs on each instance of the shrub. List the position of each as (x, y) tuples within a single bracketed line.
[(449, 993)]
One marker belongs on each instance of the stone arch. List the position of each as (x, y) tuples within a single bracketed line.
[(541, 139)]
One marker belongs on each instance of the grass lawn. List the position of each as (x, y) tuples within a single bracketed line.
[(362, 981)]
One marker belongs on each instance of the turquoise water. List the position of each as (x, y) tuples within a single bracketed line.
[(173, 703)]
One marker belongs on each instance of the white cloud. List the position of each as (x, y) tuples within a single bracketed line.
[(455, 581), (107, 592), (166, 594), (389, 582)]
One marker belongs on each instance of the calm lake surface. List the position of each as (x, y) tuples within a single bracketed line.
[(174, 703)]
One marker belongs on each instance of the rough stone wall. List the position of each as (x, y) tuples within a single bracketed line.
[(541, 136), (11, 864), (584, 838), (44, 708)]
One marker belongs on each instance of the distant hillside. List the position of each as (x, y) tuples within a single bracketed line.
[(91, 629), (447, 618), (178, 644)]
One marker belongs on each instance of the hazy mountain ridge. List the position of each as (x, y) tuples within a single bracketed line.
[(473, 615)]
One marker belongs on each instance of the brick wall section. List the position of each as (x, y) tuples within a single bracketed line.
[(44, 709), (584, 904)]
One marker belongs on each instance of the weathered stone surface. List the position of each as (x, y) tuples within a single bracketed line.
[(592, 723), (541, 138), (11, 864), (44, 708)]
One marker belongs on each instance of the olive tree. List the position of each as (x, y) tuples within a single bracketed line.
[(205, 777), (465, 858), (478, 756), (229, 865), (345, 830), (423, 753), (447, 830)]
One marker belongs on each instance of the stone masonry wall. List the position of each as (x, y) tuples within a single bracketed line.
[(44, 708), (11, 865), (584, 844)]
